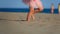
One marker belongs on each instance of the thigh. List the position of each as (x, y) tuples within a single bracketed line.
[(32, 4), (39, 4)]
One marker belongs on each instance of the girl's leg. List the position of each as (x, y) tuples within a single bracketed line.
[(33, 16), (30, 14), (38, 10)]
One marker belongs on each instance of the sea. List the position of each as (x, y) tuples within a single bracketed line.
[(25, 10)]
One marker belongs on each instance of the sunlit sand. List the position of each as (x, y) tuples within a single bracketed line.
[(15, 23)]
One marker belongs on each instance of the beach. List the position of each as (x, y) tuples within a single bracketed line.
[(15, 23)]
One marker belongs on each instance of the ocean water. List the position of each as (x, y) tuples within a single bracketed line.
[(25, 10)]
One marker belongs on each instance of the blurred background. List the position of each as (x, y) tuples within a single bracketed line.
[(19, 6)]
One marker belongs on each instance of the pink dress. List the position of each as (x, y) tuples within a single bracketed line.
[(34, 3)]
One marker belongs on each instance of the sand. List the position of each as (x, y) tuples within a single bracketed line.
[(14, 23)]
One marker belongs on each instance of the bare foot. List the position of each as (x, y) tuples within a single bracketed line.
[(33, 17)]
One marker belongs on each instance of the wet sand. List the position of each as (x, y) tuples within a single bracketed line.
[(15, 23)]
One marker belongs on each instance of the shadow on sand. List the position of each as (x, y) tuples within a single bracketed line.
[(12, 20)]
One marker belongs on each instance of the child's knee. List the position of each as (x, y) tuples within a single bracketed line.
[(41, 9)]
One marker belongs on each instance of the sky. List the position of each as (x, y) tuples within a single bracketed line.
[(20, 4)]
